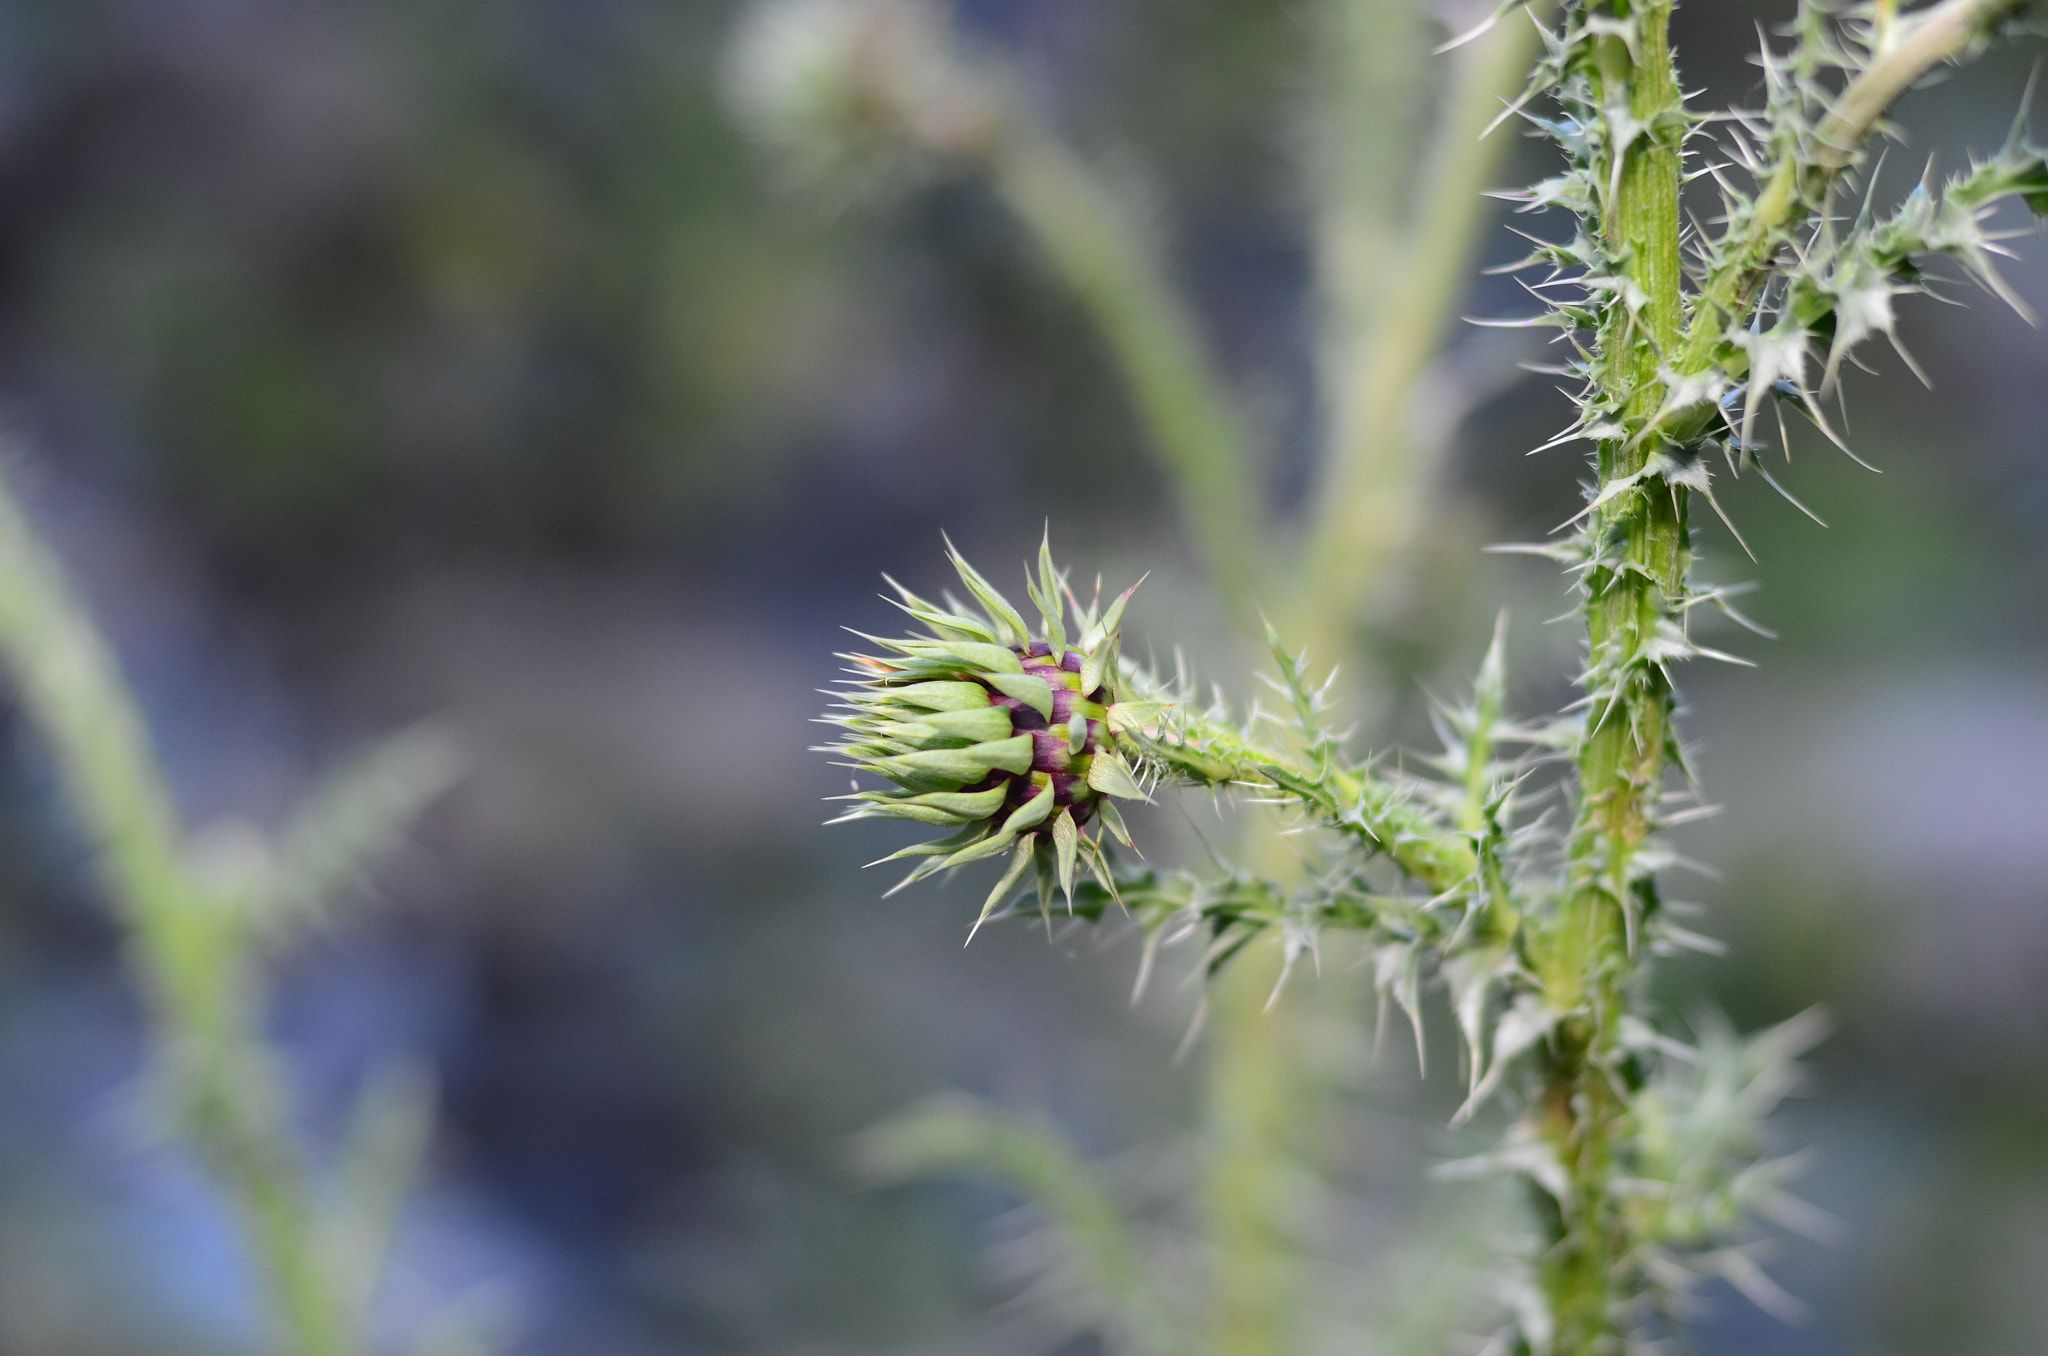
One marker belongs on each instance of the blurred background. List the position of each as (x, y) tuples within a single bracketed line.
[(371, 360)]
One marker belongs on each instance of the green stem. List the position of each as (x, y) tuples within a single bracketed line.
[(1377, 816), (1180, 397), (1584, 957), (1637, 579), (1255, 1107), (1390, 299), (187, 941)]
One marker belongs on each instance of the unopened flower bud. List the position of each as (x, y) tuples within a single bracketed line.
[(993, 730)]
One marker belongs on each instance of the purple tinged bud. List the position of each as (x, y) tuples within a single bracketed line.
[(1032, 713)]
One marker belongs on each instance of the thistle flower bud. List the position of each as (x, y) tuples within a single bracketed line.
[(855, 94), (1003, 735)]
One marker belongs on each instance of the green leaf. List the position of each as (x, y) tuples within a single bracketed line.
[(1106, 629), (964, 765), (1020, 862), (940, 696), (1065, 837), (1095, 663), (947, 625), (905, 736), (990, 659), (1028, 688), (354, 820), (1113, 820), (1031, 813), (971, 804), (1049, 597), (988, 596), (875, 805), (1047, 862), (1098, 866), (1108, 774), (978, 724), (939, 847), (996, 842)]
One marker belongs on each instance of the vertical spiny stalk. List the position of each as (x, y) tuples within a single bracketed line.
[(1639, 557)]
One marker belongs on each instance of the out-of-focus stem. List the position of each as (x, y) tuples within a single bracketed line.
[(1388, 306), (1912, 46), (1388, 279), (1370, 73), (1259, 1095), (1179, 395), (187, 941), (1257, 1102)]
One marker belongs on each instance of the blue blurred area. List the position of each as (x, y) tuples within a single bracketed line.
[(374, 360)]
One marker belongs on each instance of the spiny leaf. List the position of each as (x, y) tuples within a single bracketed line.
[(1020, 862), (1108, 774), (989, 597), (1049, 594), (355, 820), (1066, 837)]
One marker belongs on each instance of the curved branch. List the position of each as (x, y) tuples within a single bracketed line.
[(1911, 47), (1916, 45)]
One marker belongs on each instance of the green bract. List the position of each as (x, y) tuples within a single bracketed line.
[(999, 734)]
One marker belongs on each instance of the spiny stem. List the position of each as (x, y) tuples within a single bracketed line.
[(1583, 956), (1913, 46)]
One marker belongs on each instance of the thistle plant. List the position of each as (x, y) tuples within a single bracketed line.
[(1394, 231), (204, 917), (1675, 362), (1521, 874)]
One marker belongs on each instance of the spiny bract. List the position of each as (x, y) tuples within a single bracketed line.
[(1004, 736)]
